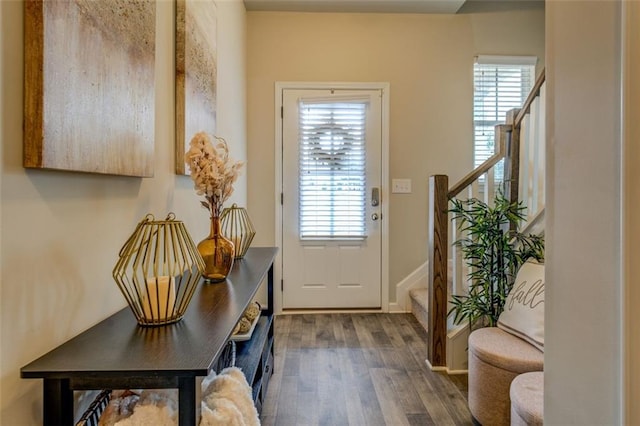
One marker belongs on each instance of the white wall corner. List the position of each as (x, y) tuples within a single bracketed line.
[(417, 279)]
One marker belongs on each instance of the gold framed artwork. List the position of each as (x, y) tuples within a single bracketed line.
[(196, 73), (90, 86)]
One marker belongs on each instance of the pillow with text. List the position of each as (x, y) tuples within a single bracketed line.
[(523, 314)]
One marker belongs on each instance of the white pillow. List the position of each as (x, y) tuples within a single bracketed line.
[(523, 314)]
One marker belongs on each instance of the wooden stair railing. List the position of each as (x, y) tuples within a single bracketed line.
[(508, 140), (438, 251)]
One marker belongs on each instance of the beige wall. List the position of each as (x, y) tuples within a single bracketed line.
[(584, 228), (61, 232), (2, 120), (632, 206), (427, 59)]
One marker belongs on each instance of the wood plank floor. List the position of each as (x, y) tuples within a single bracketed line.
[(358, 369)]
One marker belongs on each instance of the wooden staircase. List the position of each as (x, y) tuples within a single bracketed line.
[(518, 167)]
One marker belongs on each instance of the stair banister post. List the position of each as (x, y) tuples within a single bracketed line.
[(512, 157), (509, 134), (438, 254)]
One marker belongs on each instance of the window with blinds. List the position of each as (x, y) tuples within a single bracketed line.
[(500, 84), (332, 179)]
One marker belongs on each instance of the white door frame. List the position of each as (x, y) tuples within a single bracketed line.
[(384, 189)]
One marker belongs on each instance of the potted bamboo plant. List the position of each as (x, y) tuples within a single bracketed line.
[(494, 251)]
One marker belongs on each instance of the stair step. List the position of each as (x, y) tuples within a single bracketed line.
[(420, 299), (420, 296), (419, 305)]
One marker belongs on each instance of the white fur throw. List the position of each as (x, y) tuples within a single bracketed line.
[(150, 415), (153, 407), (227, 400)]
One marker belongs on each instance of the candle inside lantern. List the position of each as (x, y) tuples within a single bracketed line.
[(159, 298)]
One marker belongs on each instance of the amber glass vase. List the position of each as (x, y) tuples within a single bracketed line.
[(217, 252)]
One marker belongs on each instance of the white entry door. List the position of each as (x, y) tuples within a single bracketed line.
[(331, 180)]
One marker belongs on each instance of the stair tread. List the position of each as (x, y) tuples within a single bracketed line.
[(419, 305), (420, 296), (419, 291)]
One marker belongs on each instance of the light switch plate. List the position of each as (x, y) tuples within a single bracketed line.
[(401, 186)]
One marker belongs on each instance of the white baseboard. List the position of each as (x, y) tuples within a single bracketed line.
[(457, 372), (395, 308), (445, 369), (432, 368)]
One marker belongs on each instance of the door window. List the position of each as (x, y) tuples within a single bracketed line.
[(332, 169)]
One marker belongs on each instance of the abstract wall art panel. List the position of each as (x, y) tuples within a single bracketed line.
[(90, 86), (196, 73)]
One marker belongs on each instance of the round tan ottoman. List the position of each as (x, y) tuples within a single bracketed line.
[(495, 359), (527, 400)]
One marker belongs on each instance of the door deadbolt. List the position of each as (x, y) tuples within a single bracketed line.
[(374, 216), (375, 197)]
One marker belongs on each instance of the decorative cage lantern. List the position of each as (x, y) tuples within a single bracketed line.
[(158, 270), (237, 227)]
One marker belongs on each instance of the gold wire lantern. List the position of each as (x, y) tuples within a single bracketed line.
[(237, 227), (158, 270)]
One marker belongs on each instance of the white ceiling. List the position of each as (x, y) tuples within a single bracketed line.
[(378, 6), (389, 6)]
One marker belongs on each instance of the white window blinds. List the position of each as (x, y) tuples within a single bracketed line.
[(501, 83), (332, 180)]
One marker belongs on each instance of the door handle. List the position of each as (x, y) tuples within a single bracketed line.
[(375, 197), (374, 216)]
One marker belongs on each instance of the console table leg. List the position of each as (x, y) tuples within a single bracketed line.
[(187, 401), (270, 290), (58, 402)]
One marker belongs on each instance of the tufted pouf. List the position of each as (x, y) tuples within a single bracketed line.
[(527, 401), (495, 359)]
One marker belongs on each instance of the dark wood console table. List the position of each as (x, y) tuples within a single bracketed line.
[(118, 354)]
